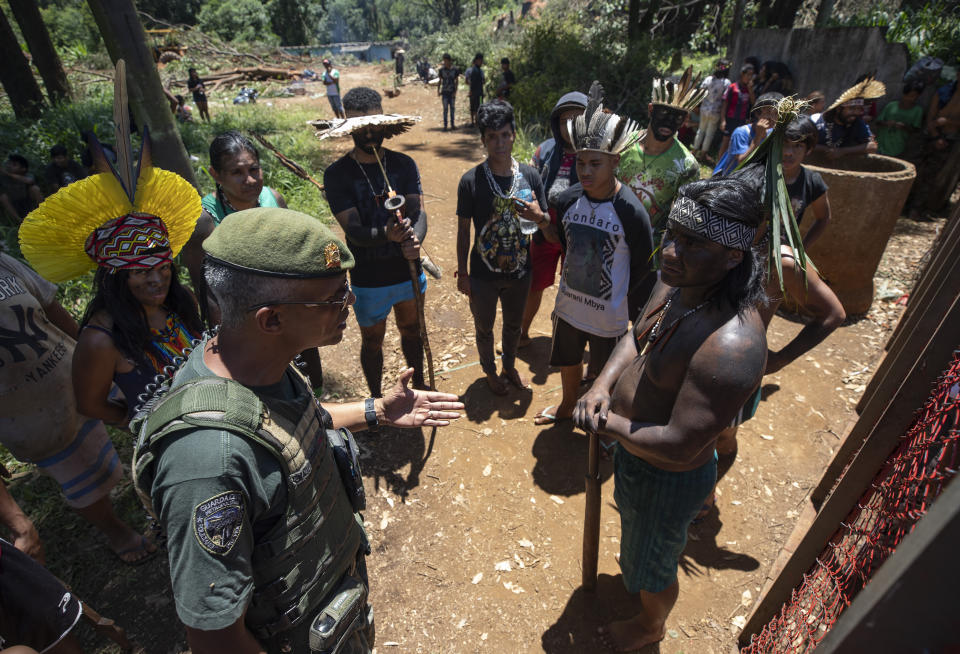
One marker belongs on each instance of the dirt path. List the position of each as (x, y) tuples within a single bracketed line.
[(476, 534)]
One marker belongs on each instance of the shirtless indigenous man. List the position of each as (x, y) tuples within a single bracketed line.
[(696, 353)]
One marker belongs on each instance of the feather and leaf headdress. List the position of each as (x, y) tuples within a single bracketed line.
[(868, 89), (776, 198), (133, 216), (600, 131), (684, 95)]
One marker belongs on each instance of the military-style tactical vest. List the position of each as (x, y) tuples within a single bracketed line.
[(300, 560)]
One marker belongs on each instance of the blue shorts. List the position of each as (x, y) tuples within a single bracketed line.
[(374, 303)]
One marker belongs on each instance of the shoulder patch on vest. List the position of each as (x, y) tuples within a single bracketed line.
[(217, 522)]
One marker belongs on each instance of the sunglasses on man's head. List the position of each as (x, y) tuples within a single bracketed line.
[(342, 302)]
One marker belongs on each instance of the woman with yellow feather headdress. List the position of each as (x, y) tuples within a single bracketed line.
[(129, 224)]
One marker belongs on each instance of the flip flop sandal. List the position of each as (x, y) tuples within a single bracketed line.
[(547, 417), (140, 547)]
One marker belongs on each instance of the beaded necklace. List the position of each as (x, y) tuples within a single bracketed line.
[(514, 183), (653, 334)]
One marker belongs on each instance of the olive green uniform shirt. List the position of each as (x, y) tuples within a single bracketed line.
[(206, 472)]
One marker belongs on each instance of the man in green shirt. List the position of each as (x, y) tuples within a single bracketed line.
[(659, 164), (899, 119), (254, 482)]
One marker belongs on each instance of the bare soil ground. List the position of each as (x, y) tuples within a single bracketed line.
[(476, 533)]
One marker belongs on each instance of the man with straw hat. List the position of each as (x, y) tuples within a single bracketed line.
[(357, 187), (255, 483), (842, 129), (658, 163)]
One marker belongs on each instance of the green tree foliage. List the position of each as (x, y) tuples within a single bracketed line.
[(931, 29), (566, 50), (237, 20), (173, 11), (71, 26)]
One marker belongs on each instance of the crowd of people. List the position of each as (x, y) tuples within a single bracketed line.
[(666, 278)]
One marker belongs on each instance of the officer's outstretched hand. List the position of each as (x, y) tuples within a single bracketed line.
[(406, 407)]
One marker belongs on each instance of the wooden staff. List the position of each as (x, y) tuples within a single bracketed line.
[(395, 203), (288, 163), (591, 518)]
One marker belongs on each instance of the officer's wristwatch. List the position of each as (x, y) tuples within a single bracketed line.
[(370, 414)]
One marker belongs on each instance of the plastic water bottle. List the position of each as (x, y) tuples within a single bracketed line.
[(526, 226)]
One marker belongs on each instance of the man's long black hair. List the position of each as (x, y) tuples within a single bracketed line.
[(743, 286), (131, 332)]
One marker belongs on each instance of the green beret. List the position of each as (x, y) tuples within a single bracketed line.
[(278, 242)]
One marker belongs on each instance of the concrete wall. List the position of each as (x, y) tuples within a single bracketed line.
[(827, 59)]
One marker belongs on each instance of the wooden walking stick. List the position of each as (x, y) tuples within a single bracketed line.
[(591, 518), (395, 203)]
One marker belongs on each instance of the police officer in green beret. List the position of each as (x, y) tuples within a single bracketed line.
[(255, 482)]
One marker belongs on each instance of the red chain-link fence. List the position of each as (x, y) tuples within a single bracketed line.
[(897, 498)]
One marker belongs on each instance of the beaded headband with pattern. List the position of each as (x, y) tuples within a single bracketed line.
[(698, 218), (136, 240)]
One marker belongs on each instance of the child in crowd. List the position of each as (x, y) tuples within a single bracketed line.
[(899, 119)]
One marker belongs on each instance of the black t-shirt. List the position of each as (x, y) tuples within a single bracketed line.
[(475, 79), (448, 79), (382, 264), (500, 250), (804, 191)]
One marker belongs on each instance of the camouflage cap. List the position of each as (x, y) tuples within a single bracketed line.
[(279, 243)]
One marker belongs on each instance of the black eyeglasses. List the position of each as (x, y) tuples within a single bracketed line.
[(342, 302)]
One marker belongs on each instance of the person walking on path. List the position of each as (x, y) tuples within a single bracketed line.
[(504, 202), (331, 78), (475, 82), (447, 89), (694, 356)]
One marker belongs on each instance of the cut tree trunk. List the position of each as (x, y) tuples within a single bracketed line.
[(124, 37), (16, 76), (35, 33)]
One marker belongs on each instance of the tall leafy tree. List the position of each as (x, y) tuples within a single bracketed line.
[(16, 76), (41, 47)]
